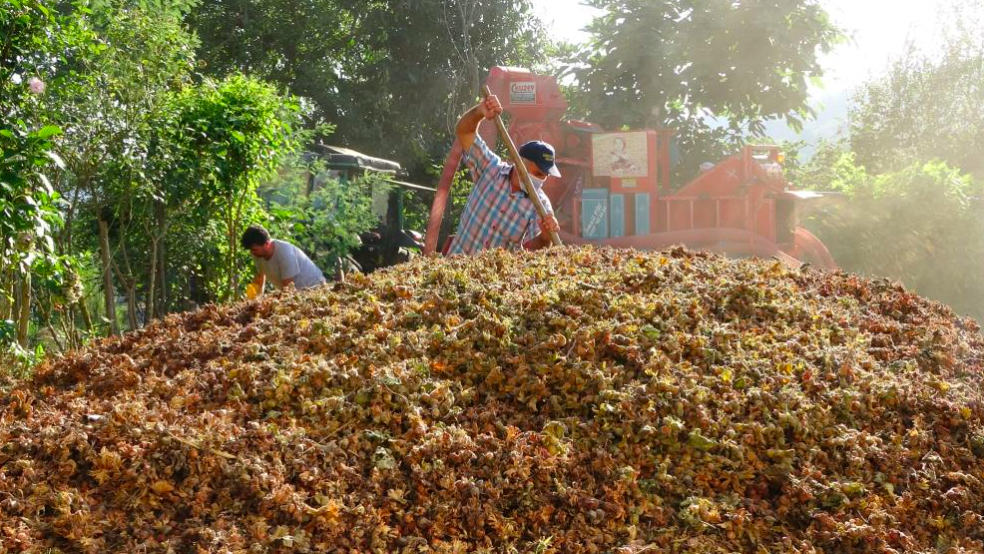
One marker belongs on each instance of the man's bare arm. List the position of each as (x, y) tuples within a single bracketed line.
[(467, 126)]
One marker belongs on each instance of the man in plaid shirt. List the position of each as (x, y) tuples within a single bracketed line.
[(498, 213)]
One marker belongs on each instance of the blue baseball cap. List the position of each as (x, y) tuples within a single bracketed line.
[(542, 154)]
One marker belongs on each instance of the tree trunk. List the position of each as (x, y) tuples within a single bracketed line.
[(54, 336), (130, 284), (109, 293), (162, 308), (131, 305), (151, 282), (190, 287), (86, 317), (7, 283), (234, 222), (161, 217), (70, 328), (24, 317), (231, 262), (130, 289)]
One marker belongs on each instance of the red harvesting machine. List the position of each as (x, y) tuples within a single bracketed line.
[(615, 185)]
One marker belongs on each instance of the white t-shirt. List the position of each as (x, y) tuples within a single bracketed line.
[(290, 262)]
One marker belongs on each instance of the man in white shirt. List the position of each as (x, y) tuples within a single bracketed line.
[(281, 262)]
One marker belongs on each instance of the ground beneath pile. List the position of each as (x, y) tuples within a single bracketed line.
[(571, 401)]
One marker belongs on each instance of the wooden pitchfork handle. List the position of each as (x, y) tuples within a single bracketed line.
[(523, 172)]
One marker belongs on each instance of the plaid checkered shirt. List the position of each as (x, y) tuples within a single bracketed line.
[(494, 216)]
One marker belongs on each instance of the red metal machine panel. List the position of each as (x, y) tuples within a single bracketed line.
[(525, 96)]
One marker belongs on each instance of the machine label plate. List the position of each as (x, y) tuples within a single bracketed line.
[(522, 93)]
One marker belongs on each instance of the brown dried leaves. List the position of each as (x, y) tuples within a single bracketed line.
[(576, 400)]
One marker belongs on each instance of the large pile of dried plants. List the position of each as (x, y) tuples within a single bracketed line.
[(570, 401)]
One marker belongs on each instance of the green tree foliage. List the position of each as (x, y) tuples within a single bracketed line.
[(109, 100), (328, 222), (910, 171), (122, 174), (927, 105), (392, 76), (28, 217), (230, 134), (33, 36), (161, 170), (833, 167), (685, 63), (920, 225), (126, 178)]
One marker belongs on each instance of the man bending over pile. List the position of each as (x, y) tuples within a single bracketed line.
[(498, 213), (281, 262)]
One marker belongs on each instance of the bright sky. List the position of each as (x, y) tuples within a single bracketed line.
[(879, 31)]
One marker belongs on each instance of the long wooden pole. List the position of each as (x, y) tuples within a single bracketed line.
[(523, 172)]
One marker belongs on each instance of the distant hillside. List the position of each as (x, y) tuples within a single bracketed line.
[(831, 118)]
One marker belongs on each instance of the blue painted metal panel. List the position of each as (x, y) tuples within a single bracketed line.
[(642, 214), (618, 215), (594, 213)]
